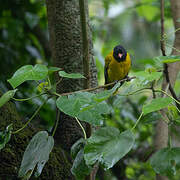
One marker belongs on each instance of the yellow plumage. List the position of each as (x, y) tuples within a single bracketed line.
[(116, 69)]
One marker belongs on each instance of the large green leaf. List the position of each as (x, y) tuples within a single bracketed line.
[(156, 104), (145, 77), (167, 59), (28, 72), (36, 154), (82, 106), (166, 161), (53, 69), (5, 136), (7, 96), (101, 96), (76, 147), (107, 146), (79, 169), (71, 75)]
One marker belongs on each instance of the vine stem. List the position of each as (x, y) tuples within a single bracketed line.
[(137, 121), (27, 99), (84, 132), (35, 113), (132, 93), (159, 90), (57, 121)]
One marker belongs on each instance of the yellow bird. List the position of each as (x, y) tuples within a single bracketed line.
[(117, 65)]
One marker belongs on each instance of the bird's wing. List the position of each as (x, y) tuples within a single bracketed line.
[(107, 61)]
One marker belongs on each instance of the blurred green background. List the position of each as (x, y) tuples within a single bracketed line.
[(135, 24)]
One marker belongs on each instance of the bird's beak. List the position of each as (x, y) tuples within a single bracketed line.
[(120, 55)]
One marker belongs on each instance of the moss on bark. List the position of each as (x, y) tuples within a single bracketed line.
[(10, 157)]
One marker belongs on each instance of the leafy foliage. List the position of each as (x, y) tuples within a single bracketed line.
[(79, 169), (36, 154), (156, 104), (28, 72), (5, 136), (86, 106), (166, 161), (107, 146), (7, 96)]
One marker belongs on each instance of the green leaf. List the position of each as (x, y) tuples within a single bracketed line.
[(36, 154), (5, 136), (145, 77), (145, 9), (167, 59), (76, 147), (28, 72), (176, 122), (31, 19), (101, 96), (53, 69), (71, 75), (79, 169), (152, 117), (166, 161), (82, 106), (107, 146), (156, 104), (7, 96)]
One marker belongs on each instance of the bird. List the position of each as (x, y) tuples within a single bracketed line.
[(117, 65)]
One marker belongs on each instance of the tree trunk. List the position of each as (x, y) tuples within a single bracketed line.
[(66, 43), (161, 138), (66, 46), (174, 68)]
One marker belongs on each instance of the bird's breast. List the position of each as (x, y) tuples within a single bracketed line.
[(118, 70)]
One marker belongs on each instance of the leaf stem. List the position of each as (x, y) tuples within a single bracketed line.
[(35, 113), (85, 137), (55, 93), (27, 99), (137, 121), (159, 90), (49, 82), (132, 93), (56, 124)]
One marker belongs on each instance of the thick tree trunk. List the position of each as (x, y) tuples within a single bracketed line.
[(161, 138), (66, 43), (174, 68)]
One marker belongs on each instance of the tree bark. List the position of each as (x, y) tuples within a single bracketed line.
[(66, 43), (174, 68), (161, 138)]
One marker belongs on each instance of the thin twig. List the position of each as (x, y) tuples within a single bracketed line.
[(98, 87)]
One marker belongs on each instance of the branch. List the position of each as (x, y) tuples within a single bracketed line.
[(166, 72), (162, 29), (98, 87)]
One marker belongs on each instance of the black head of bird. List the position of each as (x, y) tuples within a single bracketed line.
[(119, 53)]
